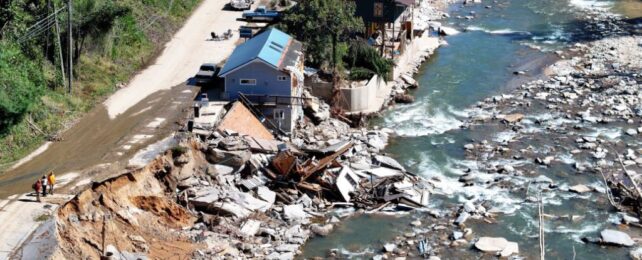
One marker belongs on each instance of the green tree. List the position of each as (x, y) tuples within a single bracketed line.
[(324, 26), (94, 19), (21, 84), (365, 61)]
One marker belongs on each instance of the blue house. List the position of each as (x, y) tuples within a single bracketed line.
[(267, 71)]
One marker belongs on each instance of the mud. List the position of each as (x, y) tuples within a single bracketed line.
[(95, 139)]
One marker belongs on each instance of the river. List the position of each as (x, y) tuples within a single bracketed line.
[(476, 64)]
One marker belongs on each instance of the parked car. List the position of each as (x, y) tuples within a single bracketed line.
[(241, 4), (261, 13), (206, 73)]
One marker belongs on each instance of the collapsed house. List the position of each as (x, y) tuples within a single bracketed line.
[(345, 169)]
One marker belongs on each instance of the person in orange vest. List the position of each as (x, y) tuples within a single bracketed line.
[(51, 179), (37, 187)]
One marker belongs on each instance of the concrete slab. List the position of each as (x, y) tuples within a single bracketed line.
[(20, 217)]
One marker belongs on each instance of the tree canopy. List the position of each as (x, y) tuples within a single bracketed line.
[(324, 26), (21, 84)]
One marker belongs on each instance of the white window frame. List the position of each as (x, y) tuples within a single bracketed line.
[(251, 82), (282, 78)]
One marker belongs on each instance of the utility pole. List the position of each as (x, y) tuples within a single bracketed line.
[(70, 43), (62, 60)]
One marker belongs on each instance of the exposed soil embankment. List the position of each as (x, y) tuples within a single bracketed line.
[(133, 212)]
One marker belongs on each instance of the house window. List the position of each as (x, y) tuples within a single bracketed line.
[(279, 114), (282, 78), (249, 82), (378, 9)]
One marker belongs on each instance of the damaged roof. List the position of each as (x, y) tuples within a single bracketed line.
[(239, 119), (273, 47)]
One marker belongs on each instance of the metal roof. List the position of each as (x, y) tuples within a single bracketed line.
[(268, 46)]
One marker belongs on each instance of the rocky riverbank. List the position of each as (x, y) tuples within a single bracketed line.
[(573, 134)]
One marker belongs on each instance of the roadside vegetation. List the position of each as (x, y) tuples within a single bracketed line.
[(112, 41)]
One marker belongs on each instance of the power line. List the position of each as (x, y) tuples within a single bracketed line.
[(37, 31), (40, 26)]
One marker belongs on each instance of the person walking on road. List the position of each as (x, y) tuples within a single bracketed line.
[(44, 185), (37, 187), (51, 179)]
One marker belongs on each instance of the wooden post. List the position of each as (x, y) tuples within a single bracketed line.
[(542, 243)]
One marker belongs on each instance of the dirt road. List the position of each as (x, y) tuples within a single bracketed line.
[(147, 109), (152, 106), (188, 49)]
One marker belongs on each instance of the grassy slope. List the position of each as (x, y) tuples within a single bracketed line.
[(134, 42)]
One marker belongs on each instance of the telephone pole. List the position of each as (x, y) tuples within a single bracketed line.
[(70, 62), (61, 59)]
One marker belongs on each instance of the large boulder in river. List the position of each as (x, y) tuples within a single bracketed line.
[(580, 188), (491, 244), (614, 237), (447, 31), (512, 118), (499, 245)]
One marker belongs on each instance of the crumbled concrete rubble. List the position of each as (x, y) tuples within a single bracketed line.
[(224, 194), (272, 202)]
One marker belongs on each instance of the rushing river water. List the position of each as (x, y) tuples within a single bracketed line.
[(476, 64)]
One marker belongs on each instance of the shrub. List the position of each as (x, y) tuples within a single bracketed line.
[(178, 151)]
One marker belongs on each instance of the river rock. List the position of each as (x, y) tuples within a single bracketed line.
[(277, 256), (321, 230), (389, 247), (469, 206), (546, 161), (543, 179), (509, 168), (636, 254), (631, 132), (403, 98), (462, 218), (491, 244), (626, 219), (457, 235), (287, 248), (513, 118), (443, 30), (580, 188), (614, 237), (511, 248)]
